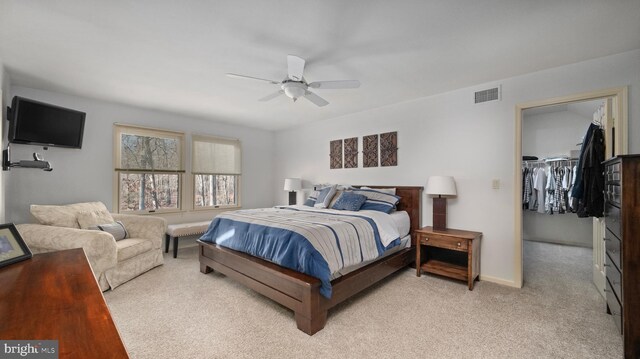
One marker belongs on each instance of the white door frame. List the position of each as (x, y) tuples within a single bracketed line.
[(620, 95)]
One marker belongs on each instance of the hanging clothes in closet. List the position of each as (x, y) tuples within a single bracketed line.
[(547, 185)]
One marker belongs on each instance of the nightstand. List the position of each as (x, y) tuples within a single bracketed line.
[(451, 253)]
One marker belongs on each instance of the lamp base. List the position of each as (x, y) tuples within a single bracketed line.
[(439, 213), (292, 198)]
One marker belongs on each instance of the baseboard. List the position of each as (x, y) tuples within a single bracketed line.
[(508, 283)]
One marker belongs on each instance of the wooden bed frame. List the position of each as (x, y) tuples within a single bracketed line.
[(301, 292)]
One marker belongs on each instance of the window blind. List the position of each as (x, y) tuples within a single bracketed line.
[(216, 155)]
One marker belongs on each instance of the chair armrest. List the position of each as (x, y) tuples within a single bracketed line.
[(147, 227), (99, 247)]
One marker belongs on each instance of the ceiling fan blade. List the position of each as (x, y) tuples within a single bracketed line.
[(252, 78), (340, 84), (271, 96), (317, 100), (296, 67)]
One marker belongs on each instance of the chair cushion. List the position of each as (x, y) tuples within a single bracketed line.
[(131, 247), (90, 220), (59, 216), (66, 215)]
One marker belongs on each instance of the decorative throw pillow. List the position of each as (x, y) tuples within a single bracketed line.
[(89, 220), (324, 197), (312, 199), (378, 201), (349, 201), (335, 197), (59, 216), (116, 229)]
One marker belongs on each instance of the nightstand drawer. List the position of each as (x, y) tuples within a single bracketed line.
[(448, 243)]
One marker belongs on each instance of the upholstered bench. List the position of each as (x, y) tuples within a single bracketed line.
[(176, 231)]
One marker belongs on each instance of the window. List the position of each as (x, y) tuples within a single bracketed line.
[(216, 167), (148, 165)]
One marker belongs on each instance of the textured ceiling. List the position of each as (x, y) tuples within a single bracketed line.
[(172, 56)]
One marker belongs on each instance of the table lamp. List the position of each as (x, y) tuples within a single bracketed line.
[(292, 185), (440, 186)]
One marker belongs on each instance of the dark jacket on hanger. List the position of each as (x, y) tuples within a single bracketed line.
[(592, 202), (578, 188)]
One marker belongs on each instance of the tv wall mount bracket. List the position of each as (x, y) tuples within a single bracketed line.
[(37, 162)]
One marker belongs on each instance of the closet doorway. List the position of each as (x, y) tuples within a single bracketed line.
[(615, 126)]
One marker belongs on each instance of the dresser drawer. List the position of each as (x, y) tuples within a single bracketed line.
[(448, 243), (614, 306), (612, 219), (614, 277), (613, 247), (612, 173), (613, 193)]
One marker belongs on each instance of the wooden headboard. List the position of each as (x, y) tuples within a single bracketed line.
[(411, 202)]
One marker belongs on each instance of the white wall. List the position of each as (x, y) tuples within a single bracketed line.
[(87, 174), (447, 134), (548, 135)]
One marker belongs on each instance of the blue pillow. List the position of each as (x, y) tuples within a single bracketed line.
[(324, 196), (349, 201), (378, 201)]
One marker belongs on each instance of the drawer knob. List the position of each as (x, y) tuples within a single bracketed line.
[(426, 239), (607, 265), (459, 244)]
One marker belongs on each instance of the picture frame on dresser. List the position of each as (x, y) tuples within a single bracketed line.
[(12, 247)]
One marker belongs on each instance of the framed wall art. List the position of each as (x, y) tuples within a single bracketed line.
[(389, 149), (12, 247), (351, 152), (335, 154), (370, 151)]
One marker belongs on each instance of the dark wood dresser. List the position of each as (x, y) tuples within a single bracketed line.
[(622, 243), (55, 296)]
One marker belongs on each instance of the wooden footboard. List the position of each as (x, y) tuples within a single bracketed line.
[(300, 292), (297, 291)]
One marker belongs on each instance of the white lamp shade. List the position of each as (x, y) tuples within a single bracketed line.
[(441, 185), (292, 184)]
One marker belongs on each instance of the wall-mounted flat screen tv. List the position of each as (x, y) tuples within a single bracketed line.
[(38, 123)]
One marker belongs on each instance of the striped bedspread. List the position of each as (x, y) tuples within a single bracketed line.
[(312, 241)]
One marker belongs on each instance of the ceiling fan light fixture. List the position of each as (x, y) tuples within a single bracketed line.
[(294, 89)]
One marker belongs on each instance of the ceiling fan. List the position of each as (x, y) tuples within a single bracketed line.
[(295, 86)]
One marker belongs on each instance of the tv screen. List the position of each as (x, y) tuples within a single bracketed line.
[(37, 123)]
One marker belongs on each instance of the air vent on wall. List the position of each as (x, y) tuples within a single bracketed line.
[(491, 94)]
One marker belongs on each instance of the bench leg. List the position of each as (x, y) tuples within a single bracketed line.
[(166, 243), (175, 247)]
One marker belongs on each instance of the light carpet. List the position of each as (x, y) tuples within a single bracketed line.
[(175, 311)]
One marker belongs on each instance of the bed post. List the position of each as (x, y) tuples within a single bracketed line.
[(313, 314)]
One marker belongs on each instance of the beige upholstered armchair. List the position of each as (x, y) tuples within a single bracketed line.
[(91, 227)]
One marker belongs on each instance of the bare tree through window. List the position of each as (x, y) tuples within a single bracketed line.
[(148, 174)]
